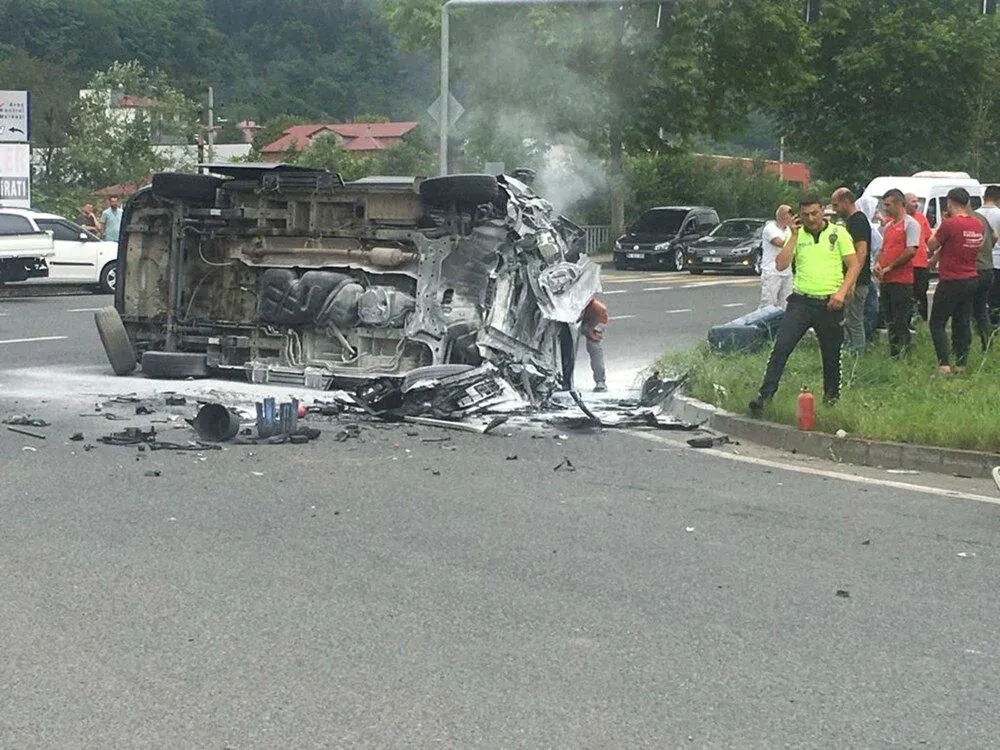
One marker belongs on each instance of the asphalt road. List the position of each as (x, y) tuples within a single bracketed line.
[(417, 588)]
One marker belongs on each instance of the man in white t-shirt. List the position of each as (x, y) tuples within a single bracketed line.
[(775, 285), (991, 212)]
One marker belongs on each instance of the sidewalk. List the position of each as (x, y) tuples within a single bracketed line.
[(903, 457)]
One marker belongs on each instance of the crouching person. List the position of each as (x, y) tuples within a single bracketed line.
[(820, 250)]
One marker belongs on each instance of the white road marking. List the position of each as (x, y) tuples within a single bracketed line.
[(675, 312), (37, 338), (615, 291), (734, 304), (659, 289), (85, 309), (622, 317), (767, 463)]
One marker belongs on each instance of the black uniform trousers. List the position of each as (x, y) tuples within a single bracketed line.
[(802, 314)]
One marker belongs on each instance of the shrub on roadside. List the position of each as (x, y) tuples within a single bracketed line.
[(883, 399)]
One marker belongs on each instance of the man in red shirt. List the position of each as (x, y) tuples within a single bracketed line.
[(954, 249), (592, 324), (894, 270), (921, 274)]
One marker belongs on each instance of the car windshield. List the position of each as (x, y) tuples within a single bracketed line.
[(665, 221), (736, 229)]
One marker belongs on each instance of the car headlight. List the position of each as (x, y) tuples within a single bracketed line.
[(662, 246), (743, 250)]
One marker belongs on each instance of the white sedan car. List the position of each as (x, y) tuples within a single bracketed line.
[(80, 257)]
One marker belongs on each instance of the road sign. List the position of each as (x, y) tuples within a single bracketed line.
[(15, 175), (13, 116), (455, 110)]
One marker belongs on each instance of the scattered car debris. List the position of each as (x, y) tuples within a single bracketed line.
[(564, 465), (709, 441), (25, 420), (966, 554), (143, 410), (689, 529), (277, 419), (77, 437), (215, 423), (866, 542), (134, 436), (26, 432), (480, 428), (512, 457), (843, 594), (29, 449), (153, 473), (175, 401), (347, 432)]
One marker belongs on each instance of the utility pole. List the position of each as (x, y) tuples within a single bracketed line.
[(211, 123), (615, 129)]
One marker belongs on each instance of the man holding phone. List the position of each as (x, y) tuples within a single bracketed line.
[(821, 288)]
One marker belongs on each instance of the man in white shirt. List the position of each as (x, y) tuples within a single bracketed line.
[(991, 212), (775, 285)]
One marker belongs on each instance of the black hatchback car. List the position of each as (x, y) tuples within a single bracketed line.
[(734, 245), (659, 238)]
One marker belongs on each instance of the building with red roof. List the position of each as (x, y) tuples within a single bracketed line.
[(352, 136)]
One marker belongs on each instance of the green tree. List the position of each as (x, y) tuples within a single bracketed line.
[(613, 79), (109, 145), (895, 87)]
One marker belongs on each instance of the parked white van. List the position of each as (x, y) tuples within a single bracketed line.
[(931, 188)]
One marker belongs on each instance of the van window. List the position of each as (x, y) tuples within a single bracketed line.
[(931, 212), (663, 221)]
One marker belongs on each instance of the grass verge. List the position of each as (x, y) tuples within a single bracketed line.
[(905, 401)]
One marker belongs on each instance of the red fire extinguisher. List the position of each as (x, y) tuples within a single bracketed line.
[(807, 409)]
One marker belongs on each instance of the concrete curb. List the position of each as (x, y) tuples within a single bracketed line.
[(841, 450)]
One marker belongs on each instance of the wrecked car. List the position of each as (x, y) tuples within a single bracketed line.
[(292, 276)]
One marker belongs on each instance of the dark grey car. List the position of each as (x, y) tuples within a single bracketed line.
[(734, 245)]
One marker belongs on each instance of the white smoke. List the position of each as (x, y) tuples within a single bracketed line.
[(569, 174)]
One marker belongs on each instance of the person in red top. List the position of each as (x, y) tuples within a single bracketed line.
[(592, 324), (894, 270), (954, 249), (921, 273)]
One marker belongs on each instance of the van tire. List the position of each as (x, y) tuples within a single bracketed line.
[(194, 188), (174, 365), (463, 188), (115, 339)]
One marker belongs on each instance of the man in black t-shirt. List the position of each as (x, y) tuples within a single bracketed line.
[(861, 233)]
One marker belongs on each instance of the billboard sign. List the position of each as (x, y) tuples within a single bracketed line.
[(15, 175), (14, 116)]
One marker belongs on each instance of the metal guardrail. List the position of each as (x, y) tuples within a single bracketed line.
[(598, 239)]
